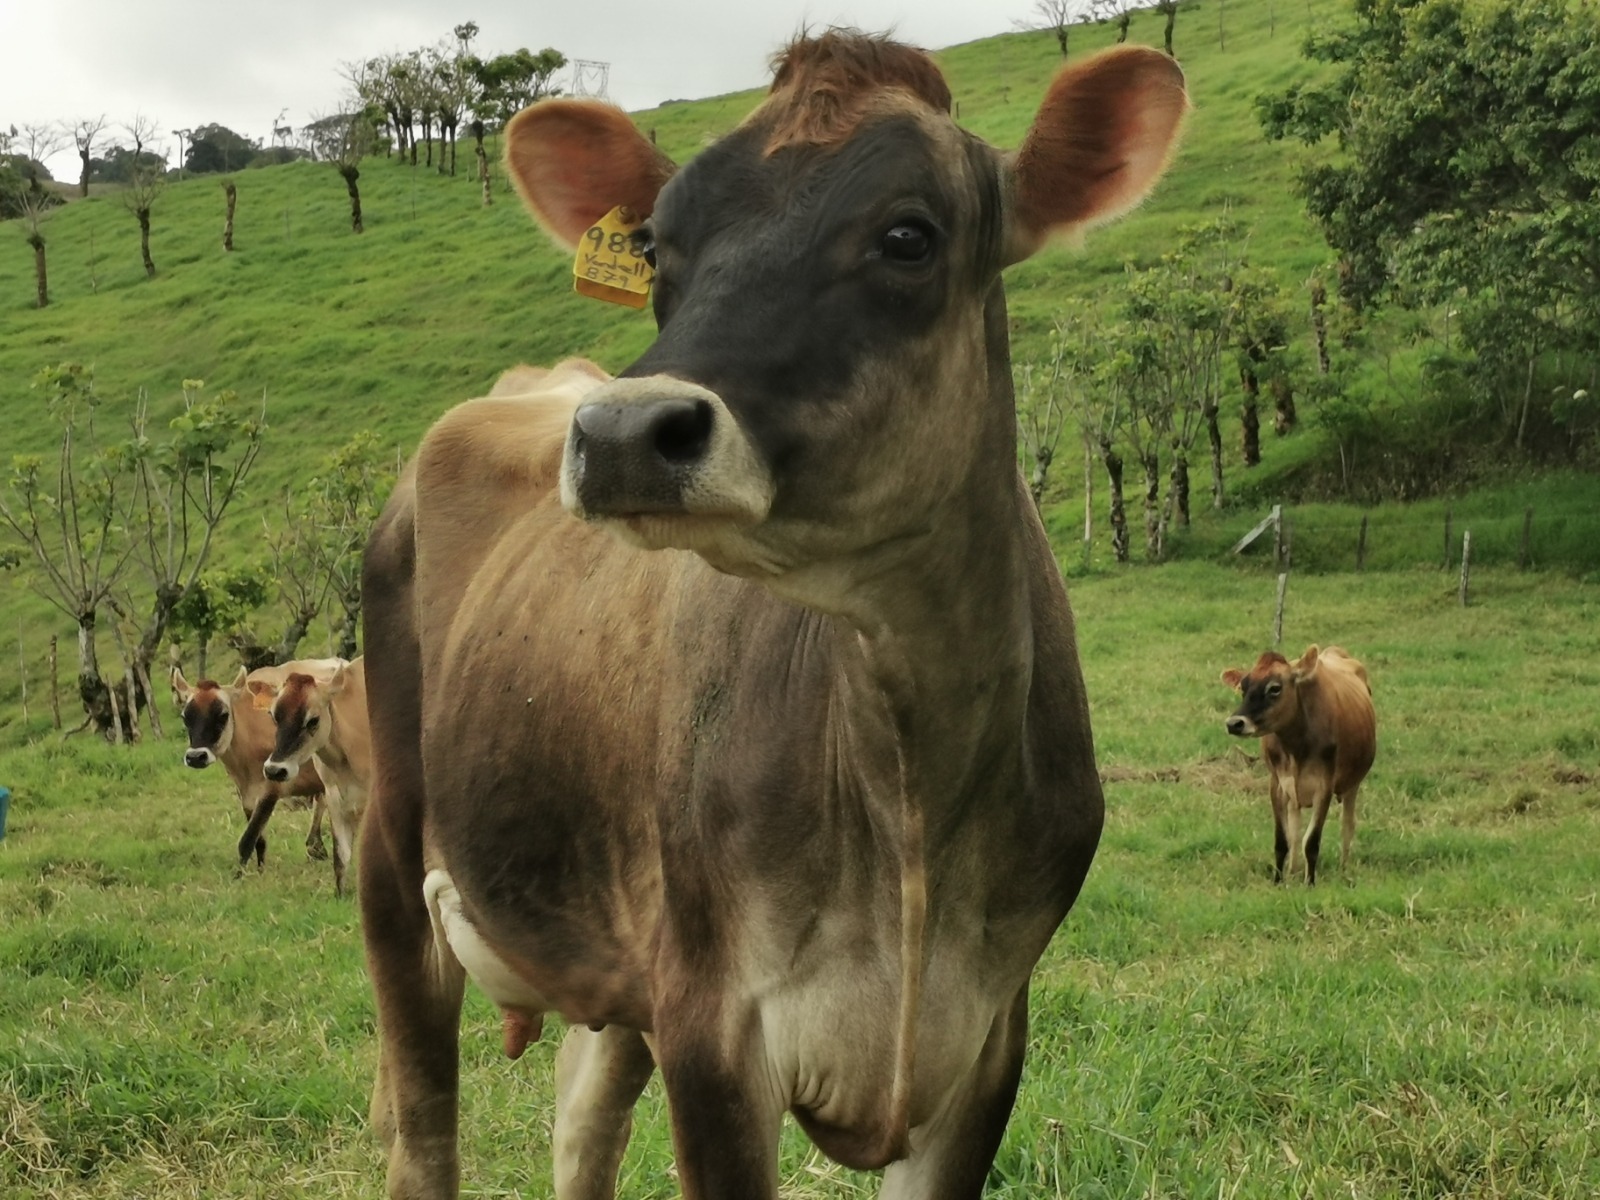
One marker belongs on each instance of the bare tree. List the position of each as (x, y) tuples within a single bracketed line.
[(344, 139), (1169, 10), (145, 185), (32, 201), (73, 527), (1114, 12), (1055, 16), (83, 132), (142, 132), (1043, 400)]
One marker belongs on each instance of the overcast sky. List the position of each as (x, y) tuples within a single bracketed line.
[(190, 62)]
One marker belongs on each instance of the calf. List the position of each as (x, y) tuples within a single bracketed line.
[(223, 729), (321, 722), (1319, 735)]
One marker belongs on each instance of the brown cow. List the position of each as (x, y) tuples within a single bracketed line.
[(791, 816), (321, 725), (223, 726), (1319, 736)]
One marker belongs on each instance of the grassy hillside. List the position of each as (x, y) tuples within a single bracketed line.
[(386, 330), (1419, 1025)]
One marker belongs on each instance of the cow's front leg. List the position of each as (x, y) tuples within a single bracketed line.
[(418, 987), (315, 850), (253, 841), (1320, 790), (1282, 843), (725, 1110), (599, 1076), (951, 1155)]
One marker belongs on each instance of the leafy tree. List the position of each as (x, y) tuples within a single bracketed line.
[(145, 186), (219, 604), (1469, 173), (215, 148), (22, 192), (1043, 401), (344, 139), (511, 82)]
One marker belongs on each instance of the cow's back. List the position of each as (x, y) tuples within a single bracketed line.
[(1343, 716)]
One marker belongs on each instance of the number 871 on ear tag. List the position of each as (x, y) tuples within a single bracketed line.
[(610, 263)]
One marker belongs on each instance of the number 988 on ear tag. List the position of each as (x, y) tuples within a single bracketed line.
[(610, 263)]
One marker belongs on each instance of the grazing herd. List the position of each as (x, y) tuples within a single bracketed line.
[(729, 709)]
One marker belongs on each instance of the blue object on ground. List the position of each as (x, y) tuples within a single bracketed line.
[(5, 807)]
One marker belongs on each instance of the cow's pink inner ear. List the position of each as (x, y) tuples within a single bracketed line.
[(1100, 141), (573, 161)]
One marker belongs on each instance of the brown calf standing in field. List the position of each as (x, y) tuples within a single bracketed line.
[(321, 723), (224, 727), (1319, 736)]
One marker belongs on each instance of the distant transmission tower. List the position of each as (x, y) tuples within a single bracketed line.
[(591, 78)]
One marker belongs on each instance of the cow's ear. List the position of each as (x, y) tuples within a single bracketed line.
[(1232, 678), (338, 680), (573, 161), (1101, 139), (181, 691), (1307, 666), (262, 693)]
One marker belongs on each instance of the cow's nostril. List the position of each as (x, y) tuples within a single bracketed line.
[(681, 430), (1235, 724)]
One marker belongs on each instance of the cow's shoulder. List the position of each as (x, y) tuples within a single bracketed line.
[(500, 448)]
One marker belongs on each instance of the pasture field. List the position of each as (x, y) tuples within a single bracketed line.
[(1419, 1025)]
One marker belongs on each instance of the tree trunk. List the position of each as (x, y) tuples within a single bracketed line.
[(1172, 19), (1041, 468), (1118, 511), (1249, 415), (351, 174), (1284, 417), (1180, 485), (227, 226), (1151, 463), (483, 163), (1061, 38), (83, 177), (40, 277), (1214, 437), (427, 137), (1123, 22), (294, 633), (347, 632), (144, 242), (452, 149), (92, 690), (1527, 401), (1319, 325)]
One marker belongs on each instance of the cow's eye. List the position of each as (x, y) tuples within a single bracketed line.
[(1274, 690), (222, 721), (312, 723), (644, 244), (908, 242)]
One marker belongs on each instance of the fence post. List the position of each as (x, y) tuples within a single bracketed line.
[(22, 671), (1361, 545), (1277, 617), (1279, 534), (1466, 564), (1447, 516), (1527, 539), (55, 687), (116, 711)]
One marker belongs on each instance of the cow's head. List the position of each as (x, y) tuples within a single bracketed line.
[(1269, 693), (207, 713), (300, 709), (832, 372)]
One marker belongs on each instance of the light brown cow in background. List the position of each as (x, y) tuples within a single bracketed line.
[(1319, 735), (224, 726), (321, 725)]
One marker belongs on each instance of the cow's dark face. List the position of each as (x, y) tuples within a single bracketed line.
[(1269, 696), (832, 372), (300, 714), (207, 714)]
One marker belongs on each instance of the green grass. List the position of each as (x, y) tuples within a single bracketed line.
[(1419, 1025)]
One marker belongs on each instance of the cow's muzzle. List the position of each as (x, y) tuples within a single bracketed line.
[(198, 757), (657, 446), (1241, 726), (279, 772)]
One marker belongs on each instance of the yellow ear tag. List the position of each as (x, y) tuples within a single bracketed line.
[(609, 264)]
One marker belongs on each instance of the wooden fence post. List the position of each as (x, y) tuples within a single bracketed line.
[(1361, 545), (22, 671), (55, 687), (1527, 539), (1447, 516), (1278, 524), (1466, 564), (1277, 617)]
